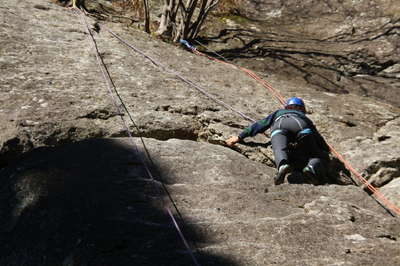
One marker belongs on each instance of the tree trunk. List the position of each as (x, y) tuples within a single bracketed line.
[(177, 18), (165, 23), (146, 16)]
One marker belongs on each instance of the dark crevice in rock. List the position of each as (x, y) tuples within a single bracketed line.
[(41, 7), (235, 125), (387, 236), (212, 109), (390, 31), (346, 122), (63, 136), (383, 138), (380, 164), (384, 122), (186, 110), (381, 173), (162, 108), (165, 134), (15, 147), (46, 135), (119, 134), (349, 124), (102, 114)]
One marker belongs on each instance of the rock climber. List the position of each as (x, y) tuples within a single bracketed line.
[(296, 143)]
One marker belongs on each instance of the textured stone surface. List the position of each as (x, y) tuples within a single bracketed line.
[(378, 159), (335, 46), (92, 203), (76, 204)]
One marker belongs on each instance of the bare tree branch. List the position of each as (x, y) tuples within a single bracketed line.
[(146, 16), (184, 19)]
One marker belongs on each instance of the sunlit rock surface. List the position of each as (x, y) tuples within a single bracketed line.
[(74, 189)]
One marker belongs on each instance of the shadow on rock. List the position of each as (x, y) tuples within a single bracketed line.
[(88, 203), (344, 63), (258, 144)]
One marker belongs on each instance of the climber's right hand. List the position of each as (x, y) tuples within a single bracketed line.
[(232, 141)]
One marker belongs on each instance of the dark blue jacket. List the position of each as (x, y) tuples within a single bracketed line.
[(263, 124)]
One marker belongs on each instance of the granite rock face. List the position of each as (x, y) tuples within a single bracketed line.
[(92, 203), (335, 46), (74, 191), (378, 159)]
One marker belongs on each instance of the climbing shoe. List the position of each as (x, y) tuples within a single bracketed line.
[(308, 172), (283, 170)]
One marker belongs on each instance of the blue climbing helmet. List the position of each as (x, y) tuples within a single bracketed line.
[(295, 102)]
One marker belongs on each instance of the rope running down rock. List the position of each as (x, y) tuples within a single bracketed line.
[(385, 203), (112, 90)]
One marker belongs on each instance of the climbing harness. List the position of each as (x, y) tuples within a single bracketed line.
[(113, 91), (383, 201)]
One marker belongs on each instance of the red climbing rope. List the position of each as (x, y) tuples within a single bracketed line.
[(248, 72), (392, 208), (386, 203)]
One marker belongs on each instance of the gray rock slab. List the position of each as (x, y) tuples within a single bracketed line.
[(92, 202), (88, 202)]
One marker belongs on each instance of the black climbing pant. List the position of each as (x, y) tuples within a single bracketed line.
[(294, 143)]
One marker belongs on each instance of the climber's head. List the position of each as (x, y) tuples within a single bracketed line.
[(295, 103)]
